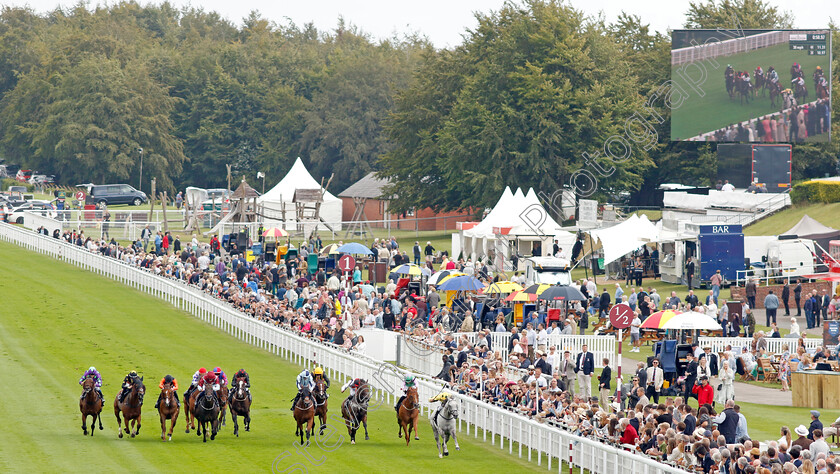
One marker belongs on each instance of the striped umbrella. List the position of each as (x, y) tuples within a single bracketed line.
[(411, 269), (275, 232), (442, 275), (536, 288), (461, 283), (521, 297), (331, 249), (658, 319), (503, 287)]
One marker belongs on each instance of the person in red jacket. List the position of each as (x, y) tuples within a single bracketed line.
[(629, 434), (705, 393), (209, 378)]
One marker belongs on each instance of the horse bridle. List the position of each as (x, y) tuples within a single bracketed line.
[(440, 413), (240, 387), (208, 397)]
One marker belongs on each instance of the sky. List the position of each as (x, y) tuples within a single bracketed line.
[(445, 21)]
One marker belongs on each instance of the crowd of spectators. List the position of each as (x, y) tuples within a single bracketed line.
[(535, 380)]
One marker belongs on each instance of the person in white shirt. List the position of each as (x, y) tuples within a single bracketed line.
[(635, 332), (370, 321), (794, 326), (591, 287), (727, 187), (542, 338)]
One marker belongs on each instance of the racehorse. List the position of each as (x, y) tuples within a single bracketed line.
[(443, 425), (90, 404), (240, 405), (744, 89), (775, 91), (321, 402), (760, 82), (189, 407), (407, 415), (354, 411), (788, 100), (207, 411), (222, 393), (800, 91), (168, 410), (304, 414), (130, 407), (821, 90), (730, 82)]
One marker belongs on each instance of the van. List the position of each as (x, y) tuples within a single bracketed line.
[(549, 270), (791, 257), (108, 194)]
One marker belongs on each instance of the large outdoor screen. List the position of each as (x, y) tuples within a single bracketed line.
[(765, 86)]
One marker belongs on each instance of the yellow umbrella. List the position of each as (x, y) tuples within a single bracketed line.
[(503, 287), (451, 275), (331, 249)]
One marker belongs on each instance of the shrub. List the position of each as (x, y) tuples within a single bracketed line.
[(6, 182), (816, 191)]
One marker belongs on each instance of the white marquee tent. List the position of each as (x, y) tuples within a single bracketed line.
[(623, 238), (283, 192)]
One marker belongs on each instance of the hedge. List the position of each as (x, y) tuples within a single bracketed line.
[(7, 182), (816, 191)]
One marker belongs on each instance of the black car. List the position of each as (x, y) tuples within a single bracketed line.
[(108, 194)]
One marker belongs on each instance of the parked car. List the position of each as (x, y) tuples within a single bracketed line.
[(44, 208), (108, 194), (40, 179), (23, 175)]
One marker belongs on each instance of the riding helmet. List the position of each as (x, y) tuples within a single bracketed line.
[(318, 371), (202, 370)]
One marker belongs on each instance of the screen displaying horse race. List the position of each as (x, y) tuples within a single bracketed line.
[(768, 86)]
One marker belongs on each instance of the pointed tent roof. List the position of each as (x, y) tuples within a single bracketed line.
[(531, 205), (810, 228), (298, 177), (499, 215)]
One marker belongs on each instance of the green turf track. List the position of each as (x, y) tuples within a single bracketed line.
[(716, 110), (57, 320)]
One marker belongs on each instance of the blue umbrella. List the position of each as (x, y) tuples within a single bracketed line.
[(355, 249), (461, 283)]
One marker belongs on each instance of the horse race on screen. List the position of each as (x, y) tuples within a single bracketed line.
[(751, 85)]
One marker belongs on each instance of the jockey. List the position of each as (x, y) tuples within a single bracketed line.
[(195, 379), (128, 381), (223, 380), (97, 380), (242, 374), (353, 385), (407, 384), (798, 81), (209, 378), (773, 75), (303, 380), (319, 374), (168, 380), (442, 398), (758, 70)]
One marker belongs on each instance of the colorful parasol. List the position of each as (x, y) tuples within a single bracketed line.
[(275, 232), (411, 269), (658, 319)]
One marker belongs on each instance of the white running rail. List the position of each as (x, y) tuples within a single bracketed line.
[(546, 445)]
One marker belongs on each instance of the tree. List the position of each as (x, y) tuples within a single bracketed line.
[(735, 14)]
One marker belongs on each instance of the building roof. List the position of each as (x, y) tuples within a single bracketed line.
[(369, 187), (244, 191)]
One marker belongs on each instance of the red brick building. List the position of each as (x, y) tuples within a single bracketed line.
[(364, 200)]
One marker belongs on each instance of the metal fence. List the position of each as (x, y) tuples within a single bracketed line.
[(548, 444)]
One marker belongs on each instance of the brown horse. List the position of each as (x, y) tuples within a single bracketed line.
[(407, 415), (822, 91), (168, 410), (240, 404), (90, 404), (206, 411), (130, 408), (189, 407), (354, 411), (321, 401), (305, 414), (222, 393)]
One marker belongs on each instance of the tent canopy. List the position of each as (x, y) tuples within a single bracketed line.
[(810, 228), (283, 194), (623, 238)]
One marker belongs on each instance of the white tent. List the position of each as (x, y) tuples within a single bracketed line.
[(283, 192), (623, 238), (472, 238)]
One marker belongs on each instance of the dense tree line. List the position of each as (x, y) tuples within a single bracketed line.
[(83, 90), (534, 96)]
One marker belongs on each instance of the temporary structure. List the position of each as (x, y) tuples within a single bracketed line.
[(625, 237), (278, 202), (810, 228)]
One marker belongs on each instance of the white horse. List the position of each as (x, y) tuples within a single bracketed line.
[(443, 425)]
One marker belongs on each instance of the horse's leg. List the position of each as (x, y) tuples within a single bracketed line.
[(445, 439), (416, 431), (162, 426), (203, 425), (248, 419), (455, 437), (310, 428), (84, 423), (437, 441), (119, 421), (364, 422), (235, 424), (98, 419), (96, 416)]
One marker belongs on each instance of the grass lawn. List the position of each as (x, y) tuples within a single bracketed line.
[(715, 109), (54, 331), (826, 214)]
